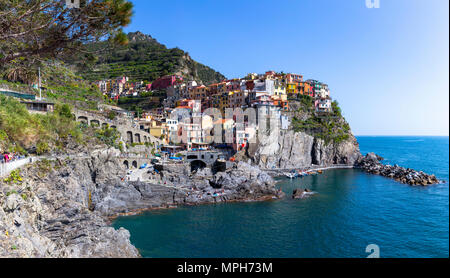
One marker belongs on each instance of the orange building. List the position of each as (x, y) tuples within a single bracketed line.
[(305, 88)]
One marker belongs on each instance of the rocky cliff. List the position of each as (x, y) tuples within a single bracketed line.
[(290, 149), (61, 208), (311, 139)]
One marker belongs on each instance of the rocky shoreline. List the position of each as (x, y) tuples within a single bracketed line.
[(63, 208), (372, 165)]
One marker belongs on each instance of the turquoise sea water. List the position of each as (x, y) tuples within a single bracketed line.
[(351, 210)]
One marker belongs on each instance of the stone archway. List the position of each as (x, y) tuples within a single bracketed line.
[(129, 137), (95, 123), (134, 164), (83, 119), (197, 164), (137, 138), (126, 164)]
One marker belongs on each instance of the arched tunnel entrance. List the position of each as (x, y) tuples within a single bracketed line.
[(137, 137), (83, 119), (129, 137), (134, 164), (197, 164), (95, 123), (125, 163)]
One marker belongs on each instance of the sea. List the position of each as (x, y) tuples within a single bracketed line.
[(352, 215)]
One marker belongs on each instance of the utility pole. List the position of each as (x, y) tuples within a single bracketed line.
[(40, 95)]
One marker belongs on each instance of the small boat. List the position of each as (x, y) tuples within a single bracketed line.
[(302, 174), (291, 175), (320, 172)]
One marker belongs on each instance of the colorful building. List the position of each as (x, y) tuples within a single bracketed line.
[(166, 81), (237, 99), (293, 78), (199, 92), (305, 88), (291, 89), (323, 105), (279, 88)]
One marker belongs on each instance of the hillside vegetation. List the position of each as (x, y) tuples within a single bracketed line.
[(23, 132), (331, 127), (59, 83), (63, 85), (142, 59)]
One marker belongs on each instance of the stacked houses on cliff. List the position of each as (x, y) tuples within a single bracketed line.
[(181, 113)]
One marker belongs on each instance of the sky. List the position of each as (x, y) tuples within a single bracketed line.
[(388, 67)]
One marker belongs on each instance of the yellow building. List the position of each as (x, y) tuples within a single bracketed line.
[(157, 131), (223, 104), (198, 93), (279, 88), (291, 89)]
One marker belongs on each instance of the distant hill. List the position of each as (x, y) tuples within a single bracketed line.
[(145, 59)]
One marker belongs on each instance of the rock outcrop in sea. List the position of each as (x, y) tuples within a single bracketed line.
[(61, 208), (371, 164)]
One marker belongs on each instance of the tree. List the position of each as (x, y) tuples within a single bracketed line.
[(40, 29)]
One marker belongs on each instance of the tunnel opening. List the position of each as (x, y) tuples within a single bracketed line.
[(219, 166), (83, 119), (125, 163), (95, 123), (197, 165), (129, 137)]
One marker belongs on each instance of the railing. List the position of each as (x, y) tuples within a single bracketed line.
[(7, 167)]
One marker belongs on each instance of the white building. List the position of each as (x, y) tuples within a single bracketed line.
[(324, 91), (263, 87), (285, 123), (323, 105)]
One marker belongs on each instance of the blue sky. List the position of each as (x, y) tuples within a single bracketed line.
[(387, 67)]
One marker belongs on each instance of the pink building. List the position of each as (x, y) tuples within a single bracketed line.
[(293, 78), (166, 81), (323, 105)]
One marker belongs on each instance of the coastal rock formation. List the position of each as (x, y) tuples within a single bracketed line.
[(177, 186), (370, 164), (48, 215), (62, 207), (301, 193), (290, 149)]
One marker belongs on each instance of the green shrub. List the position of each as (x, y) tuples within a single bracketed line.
[(109, 136), (14, 177), (42, 148)]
